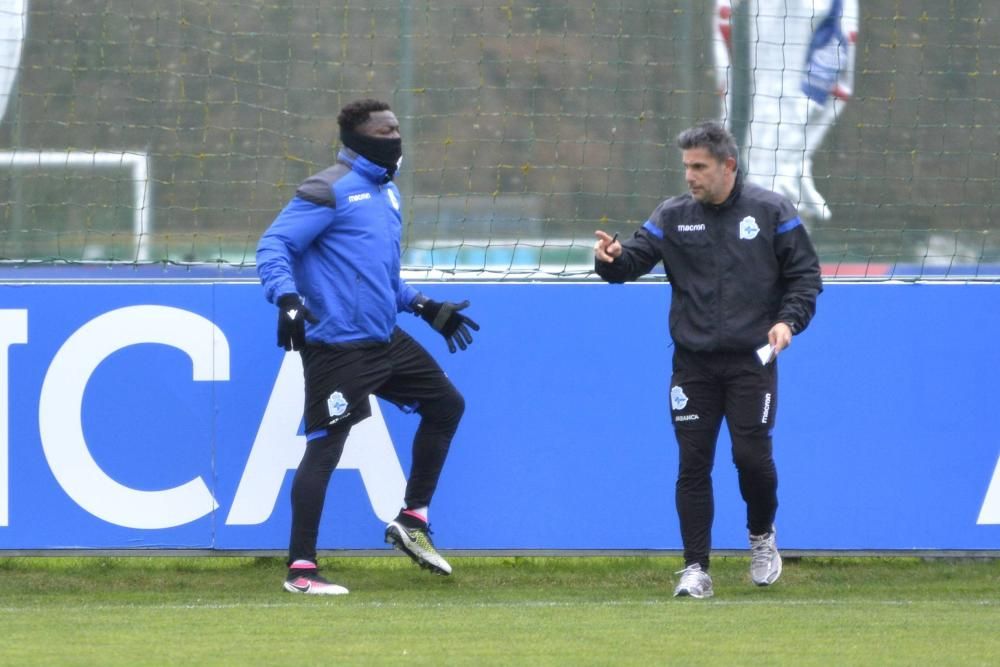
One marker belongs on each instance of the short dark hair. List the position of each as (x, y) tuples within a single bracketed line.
[(357, 112), (710, 135)]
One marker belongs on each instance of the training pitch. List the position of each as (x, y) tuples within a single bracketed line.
[(497, 611)]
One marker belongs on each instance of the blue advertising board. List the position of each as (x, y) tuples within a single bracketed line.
[(162, 415)]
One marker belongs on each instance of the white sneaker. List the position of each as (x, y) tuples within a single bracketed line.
[(309, 582), (694, 583), (765, 561)]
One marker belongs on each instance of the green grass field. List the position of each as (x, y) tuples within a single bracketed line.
[(497, 611)]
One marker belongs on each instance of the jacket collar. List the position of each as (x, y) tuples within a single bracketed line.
[(363, 166), (733, 195)]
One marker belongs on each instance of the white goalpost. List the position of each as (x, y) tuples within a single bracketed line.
[(136, 162)]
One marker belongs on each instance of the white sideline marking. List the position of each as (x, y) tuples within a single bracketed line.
[(531, 604)]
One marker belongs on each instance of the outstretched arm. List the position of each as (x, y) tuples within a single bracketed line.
[(619, 262)]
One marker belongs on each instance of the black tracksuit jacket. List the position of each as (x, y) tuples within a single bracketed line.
[(735, 268)]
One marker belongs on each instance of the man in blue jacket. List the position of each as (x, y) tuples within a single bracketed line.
[(744, 278), (330, 261)]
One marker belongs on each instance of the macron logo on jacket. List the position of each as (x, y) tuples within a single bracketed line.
[(359, 197), (691, 228)]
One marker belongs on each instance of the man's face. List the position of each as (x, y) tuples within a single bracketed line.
[(380, 125), (709, 180)]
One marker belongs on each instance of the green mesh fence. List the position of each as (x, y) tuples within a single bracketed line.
[(172, 132)]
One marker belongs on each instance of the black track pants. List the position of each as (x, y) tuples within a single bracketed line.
[(705, 388), (339, 380)]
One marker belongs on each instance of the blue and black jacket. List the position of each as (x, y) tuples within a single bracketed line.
[(337, 245), (735, 269)]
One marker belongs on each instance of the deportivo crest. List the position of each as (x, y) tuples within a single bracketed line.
[(392, 198), (748, 228), (336, 404), (677, 398)]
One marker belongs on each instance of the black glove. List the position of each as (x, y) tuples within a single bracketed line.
[(445, 319), (292, 316)]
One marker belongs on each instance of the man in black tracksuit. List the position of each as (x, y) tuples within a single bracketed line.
[(744, 279)]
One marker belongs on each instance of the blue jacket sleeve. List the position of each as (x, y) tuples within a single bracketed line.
[(405, 296), (298, 224)]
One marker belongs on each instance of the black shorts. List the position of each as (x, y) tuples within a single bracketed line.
[(707, 386), (340, 378)]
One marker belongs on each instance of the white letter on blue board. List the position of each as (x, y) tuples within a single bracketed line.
[(278, 449), (61, 403), (13, 331), (990, 513)]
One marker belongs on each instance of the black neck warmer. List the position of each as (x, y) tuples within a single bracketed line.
[(383, 152)]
